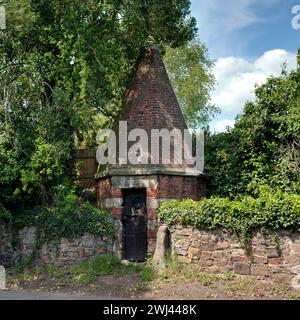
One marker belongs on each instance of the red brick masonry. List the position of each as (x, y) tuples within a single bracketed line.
[(158, 189)]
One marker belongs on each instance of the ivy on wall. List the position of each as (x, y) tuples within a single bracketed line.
[(69, 217), (269, 211), (4, 213)]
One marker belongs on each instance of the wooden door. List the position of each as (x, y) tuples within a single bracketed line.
[(135, 224)]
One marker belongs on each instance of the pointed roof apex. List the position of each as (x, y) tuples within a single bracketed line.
[(150, 101), (153, 46)]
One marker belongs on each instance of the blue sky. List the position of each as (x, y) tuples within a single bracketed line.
[(249, 41)]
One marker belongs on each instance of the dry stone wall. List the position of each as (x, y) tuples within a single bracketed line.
[(6, 249), (220, 251), (64, 252)]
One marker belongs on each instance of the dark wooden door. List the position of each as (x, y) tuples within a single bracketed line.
[(135, 224)]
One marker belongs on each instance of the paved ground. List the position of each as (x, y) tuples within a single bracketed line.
[(33, 295)]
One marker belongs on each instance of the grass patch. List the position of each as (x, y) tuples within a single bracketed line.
[(293, 296), (85, 272), (191, 273), (176, 270), (99, 266), (147, 274), (229, 276), (246, 286)]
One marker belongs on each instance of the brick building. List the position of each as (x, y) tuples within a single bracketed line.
[(134, 192)]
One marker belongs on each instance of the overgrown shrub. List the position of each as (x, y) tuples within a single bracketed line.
[(68, 217), (270, 210), (263, 148), (4, 213)]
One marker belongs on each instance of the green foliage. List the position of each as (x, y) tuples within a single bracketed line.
[(43, 171), (23, 265), (229, 275), (221, 164), (83, 52), (147, 273), (85, 272), (264, 146), (69, 217), (190, 71), (63, 69), (4, 213), (270, 210), (180, 271)]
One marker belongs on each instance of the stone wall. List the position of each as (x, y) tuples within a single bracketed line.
[(71, 251), (6, 249), (220, 251), (64, 252)]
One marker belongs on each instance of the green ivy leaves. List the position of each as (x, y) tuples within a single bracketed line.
[(270, 210), (69, 217)]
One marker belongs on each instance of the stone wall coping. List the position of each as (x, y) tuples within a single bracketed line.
[(146, 171), (152, 203), (224, 230)]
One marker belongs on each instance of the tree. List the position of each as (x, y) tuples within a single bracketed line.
[(63, 69), (190, 70), (264, 146)]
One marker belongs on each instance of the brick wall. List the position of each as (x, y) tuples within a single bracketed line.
[(110, 195), (158, 189), (180, 187)]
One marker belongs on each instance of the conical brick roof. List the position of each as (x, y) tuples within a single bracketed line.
[(150, 103)]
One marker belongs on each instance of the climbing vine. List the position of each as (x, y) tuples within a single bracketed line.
[(4, 213), (269, 211), (69, 217)]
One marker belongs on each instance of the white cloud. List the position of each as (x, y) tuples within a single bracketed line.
[(270, 62), (236, 77), (221, 125)]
